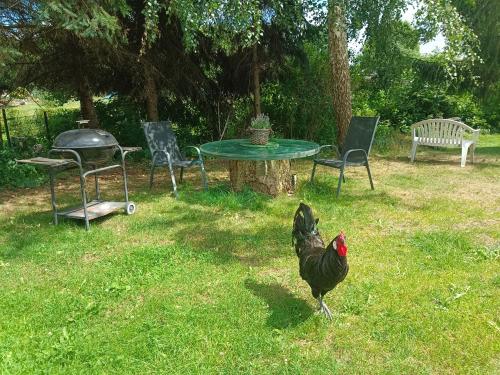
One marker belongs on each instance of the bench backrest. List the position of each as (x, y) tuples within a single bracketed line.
[(440, 132)]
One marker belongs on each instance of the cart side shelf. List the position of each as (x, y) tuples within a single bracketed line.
[(46, 162)]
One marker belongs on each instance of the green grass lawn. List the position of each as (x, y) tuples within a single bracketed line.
[(209, 283)]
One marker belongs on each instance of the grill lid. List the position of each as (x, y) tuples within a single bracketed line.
[(85, 138)]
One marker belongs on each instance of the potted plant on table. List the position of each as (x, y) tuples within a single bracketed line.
[(260, 129)]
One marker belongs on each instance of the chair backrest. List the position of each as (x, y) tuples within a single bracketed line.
[(360, 134), (160, 136)]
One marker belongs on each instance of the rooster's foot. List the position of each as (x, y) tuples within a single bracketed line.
[(327, 311), (324, 309)]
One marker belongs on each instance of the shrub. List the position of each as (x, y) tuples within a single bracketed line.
[(15, 174)]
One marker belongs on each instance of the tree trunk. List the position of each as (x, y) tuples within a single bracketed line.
[(270, 177), (150, 94), (256, 80), (339, 59), (87, 108)]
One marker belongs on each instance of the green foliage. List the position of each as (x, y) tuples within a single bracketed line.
[(13, 174), (298, 98), (461, 52), (61, 119), (229, 24), (261, 121), (121, 117), (384, 136), (88, 20), (417, 95)]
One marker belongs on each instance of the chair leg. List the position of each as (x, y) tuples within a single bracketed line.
[(203, 176), (413, 152), (151, 176), (369, 175), (181, 175), (341, 177), (473, 151), (313, 171), (172, 176)]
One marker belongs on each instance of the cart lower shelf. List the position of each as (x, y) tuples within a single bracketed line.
[(97, 209)]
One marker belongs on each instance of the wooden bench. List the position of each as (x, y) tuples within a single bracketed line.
[(444, 133)]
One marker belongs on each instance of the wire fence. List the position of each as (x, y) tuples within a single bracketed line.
[(21, 130)]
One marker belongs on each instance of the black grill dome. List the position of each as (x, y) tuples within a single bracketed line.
[(85, 138), (94, 146)]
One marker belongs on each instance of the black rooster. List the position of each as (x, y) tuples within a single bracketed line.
[(322, 268)]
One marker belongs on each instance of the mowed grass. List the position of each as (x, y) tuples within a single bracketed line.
[(209, 283)]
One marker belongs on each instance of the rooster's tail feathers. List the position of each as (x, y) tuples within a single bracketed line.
[(304, 223)]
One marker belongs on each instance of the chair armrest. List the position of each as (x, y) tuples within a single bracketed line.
[(346, 155), (197, 151), (330, 146), (127, 150)]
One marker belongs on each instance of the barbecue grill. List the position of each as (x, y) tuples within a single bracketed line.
[(92, 152), (94, 146)]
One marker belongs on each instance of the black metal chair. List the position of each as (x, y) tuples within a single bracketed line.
[(165, 151), (355, 149)]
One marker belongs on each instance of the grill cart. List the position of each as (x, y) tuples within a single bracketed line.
[(91, 152)]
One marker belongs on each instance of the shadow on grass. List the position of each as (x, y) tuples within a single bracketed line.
[(324, 190), (221, 195), (34, 235), (451, 157), (490, 150), (287, 311), (205, 231)]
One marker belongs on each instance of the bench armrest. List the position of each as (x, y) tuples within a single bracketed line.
[(475, 134)]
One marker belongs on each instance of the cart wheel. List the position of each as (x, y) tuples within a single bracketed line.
[(130, 208)]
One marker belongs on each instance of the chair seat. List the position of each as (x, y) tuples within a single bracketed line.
[(180, 163), (336, 163)]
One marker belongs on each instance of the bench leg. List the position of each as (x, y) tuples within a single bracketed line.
[(465, 148), (413, 151)]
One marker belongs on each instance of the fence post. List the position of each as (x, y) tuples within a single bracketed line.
[(6, 127), (46, 120)]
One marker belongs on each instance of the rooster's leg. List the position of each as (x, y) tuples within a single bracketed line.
[(327, 311), (324, 308)]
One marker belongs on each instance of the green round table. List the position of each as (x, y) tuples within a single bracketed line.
[(263, 168)]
